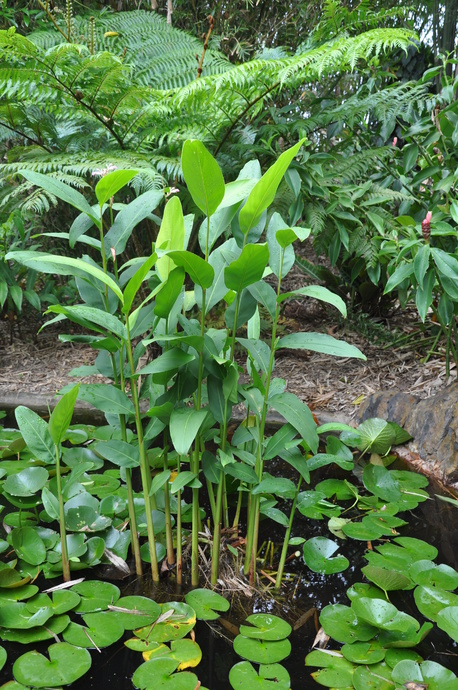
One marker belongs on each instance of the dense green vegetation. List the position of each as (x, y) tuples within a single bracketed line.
[(185, 180)]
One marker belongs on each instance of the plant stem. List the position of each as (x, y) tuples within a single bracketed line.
[(178, 532), (281, 565), (63, 534)]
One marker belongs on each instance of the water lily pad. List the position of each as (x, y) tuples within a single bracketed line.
[(28, 545), (447, 620), (63, 600), (363, 589), (364, 652), (339, 488), (95, 595), (426, 572), (431, 600), (264, 626), (206, 604), (262, 651), (54, 626), (376, 677), (335, 671), (394, 656), (65, 665), (10, 595), (27, 482), (380, 482), (432, 675), (19, 617), (341, 623), (382, 614), (11, 579), (159, 674), (138, 645), (271, 677), (3, 657), (175, 621), (364, 530), (138, 611), (417, 547), (388, 580), (409, 637), (317, 555), (186, 652), (100, 630)]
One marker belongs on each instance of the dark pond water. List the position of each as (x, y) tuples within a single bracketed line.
[(434, 521)]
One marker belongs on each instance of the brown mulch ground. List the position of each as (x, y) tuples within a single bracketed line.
[(41, 364)]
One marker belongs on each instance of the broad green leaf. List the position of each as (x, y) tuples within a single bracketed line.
[(170, 235), (135, 282), (276, 224), (387, 580), (110, 184), (265, 626), (447, 620), (427, 674), (341, 623), (424, 294), (183, 479), (262, 195), (335, 671), (317, 292), (271, 677), (54, 626), (65, 665), (3, 656), (185, 423), (103, 629), (377, 436), (203, 176), (95, 595), (374, 677), (61, 416), (431, 600), (159, 674), (118, 452), (364, 652), (425, 572), (136, 611), (317, 555), (207, 604), (128, 218), (62, 265), (409, 157), (28, 545), (319, 342), (26, 482), (262, 651), (166, 298), (36, 434), (177, 619), (400, 274), (298, 415), (19, 617), (170, 360), (63, 192), (379, 481), (186, 652), (421, 263), (199, 270), (248, 268), (95, 319), (106, 398)]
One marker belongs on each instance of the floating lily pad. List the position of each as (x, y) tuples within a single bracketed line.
[(159, 674), (18, 616), (63, 600), (206, 604), (264, 626), (364, 652), (447, 620), (271, 677), (100, 630), (428, 673), (375, 677), (175, 621), (341, 623), (431, 600), (3, 656), (95, 595), (382, 614), (65, 665), (11, 579), (262, 651), (417, 547), (27, 482), (335, 671), (339, 488), (10, 595), (388, 580), (409, 637), (28, 545), (317, 555), (364, 530), (394, 656), (426, 572), (138, 645), (186, 652), (363, 589), (54, 626), (139, 611)]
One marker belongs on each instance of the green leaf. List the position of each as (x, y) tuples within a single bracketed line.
[(50, 503), (271, 677), (248, 268), (207, 604), (26, 482), (3, 657), (170, 360), (425, 572), (93, 318), (28, 545), (317, 555), (106, 398), (183, 479), (421, 263), (424, 295), (110, 184), (388, 580), (118, 452), (185, 423), (364, 652), (377, 436), (431, 600), (135, 282), (319, 342), (335, 672), (265, 626), (298, 415), (317, 292), (159, 674), (409, 157), (263, 193), (166, 298), (400, 274), (36, 434), (128, 218), (276, 252), (261, 651), (427, 674), (137, 611), (170, 236), (62, 265), (379, 481), (63, 192), (199, 270), (67, 663), (103, 629), (95, 595), (203, 176), (61, 416), (177, 620)]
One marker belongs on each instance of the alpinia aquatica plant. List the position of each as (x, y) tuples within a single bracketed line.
[(191, 388)]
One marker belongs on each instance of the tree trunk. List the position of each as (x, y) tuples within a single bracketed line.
[(449, 31)]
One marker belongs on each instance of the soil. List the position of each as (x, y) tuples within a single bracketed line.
[(396, 348)]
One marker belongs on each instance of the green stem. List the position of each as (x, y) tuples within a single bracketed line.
[(281, 565), (178, 532), (63, 534), (168, 517)]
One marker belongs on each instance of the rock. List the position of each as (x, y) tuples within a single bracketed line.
[(433, 423)]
